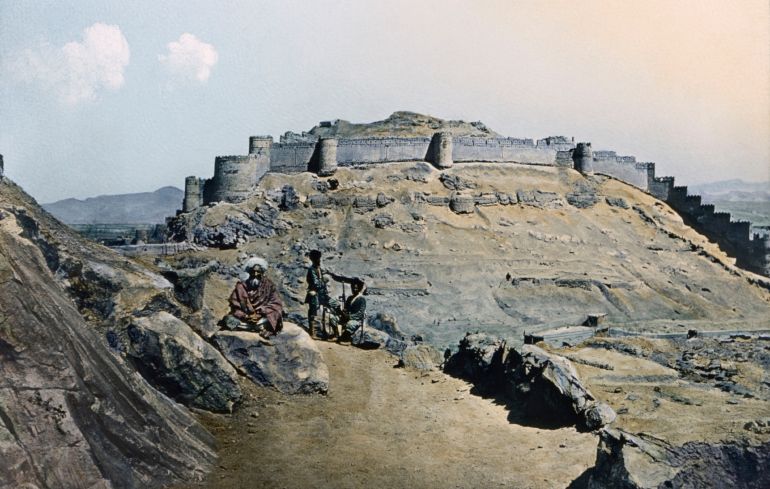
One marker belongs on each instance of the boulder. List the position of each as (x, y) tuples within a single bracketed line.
[(289, 198), (641, 461), (548, 387), (420, 357), (382, 221), (383, 200), (461, 203), (540, 199), (190, 283), (292, 364), (373, 339), (598, 414), (479, 359), (631, 462), (386, 323), (456, 182), (543, 386), (181, 364)]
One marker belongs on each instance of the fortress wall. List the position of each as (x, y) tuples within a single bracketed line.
[(660, 187), (558, 143), (623, 168), (510, 150), (291, 158), (381, 150)]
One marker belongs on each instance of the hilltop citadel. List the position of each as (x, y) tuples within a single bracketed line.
[(236, 176)]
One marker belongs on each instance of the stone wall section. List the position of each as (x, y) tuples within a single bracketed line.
[(236, 176)]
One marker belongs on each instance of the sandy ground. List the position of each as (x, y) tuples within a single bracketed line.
[(382, 426)]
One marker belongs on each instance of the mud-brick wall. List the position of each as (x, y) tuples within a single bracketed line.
[(513, 150), (381, 150), (291, 158), (623, 168)]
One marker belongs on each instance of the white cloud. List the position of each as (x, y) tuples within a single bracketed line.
[(77, 71), (189, 58)]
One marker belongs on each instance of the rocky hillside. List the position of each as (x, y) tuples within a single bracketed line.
[(139, 208), (100, 354), (398, 124), (500, 248), (72, 414)]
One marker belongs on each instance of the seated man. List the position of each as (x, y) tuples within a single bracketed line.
[(318, 293), (353, 312), (255, 304)]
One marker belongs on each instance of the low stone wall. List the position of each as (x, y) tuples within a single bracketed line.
[(153, 249)]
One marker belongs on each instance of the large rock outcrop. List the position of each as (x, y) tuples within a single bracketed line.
[(629, 461), (72, 415), (292, 363), (181, 364), (544, 388)]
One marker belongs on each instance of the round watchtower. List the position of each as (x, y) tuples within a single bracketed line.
[(234, 177), (327, 156), (260, 145), (192, 194), (442, 149), (583, 156)]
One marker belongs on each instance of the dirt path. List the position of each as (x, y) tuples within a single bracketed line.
[(386, 427)]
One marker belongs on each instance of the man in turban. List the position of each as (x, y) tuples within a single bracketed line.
[(255, 302)]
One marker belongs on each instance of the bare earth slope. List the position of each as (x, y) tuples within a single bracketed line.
[(545, 260)]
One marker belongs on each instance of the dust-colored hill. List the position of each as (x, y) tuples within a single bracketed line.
[(398, 124), (542, 247)]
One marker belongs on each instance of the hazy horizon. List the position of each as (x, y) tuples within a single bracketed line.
[(134, 96)]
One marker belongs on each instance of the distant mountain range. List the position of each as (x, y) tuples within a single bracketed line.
[(139, 208), (733, 191)]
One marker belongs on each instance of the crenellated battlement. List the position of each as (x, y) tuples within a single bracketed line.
[(235, 176)]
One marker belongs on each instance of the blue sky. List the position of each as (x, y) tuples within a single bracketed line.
[(112, 97)]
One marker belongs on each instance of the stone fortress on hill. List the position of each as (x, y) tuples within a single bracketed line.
[(331, 145)]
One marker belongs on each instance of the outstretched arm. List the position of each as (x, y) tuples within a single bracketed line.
[(339, 278)]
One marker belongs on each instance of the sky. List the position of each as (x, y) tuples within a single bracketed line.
[(102, 97)]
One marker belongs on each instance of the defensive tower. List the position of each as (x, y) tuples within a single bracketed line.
[(193, 197), (583, 157), (442, 149), (327, 156)]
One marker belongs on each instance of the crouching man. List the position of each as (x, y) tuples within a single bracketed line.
[(353, 312), (255, 304)]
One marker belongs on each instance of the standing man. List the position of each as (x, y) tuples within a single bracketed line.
[(318, 293), (255, 300)]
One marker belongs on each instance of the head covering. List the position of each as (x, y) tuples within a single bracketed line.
[(314, 254), (255, 262)]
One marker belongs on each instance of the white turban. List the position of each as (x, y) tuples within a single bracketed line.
[(255, 262)]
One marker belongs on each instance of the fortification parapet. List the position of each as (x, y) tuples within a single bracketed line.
[(660, 187), (193, 195), (739, 232), (559, 143), (584, 158), (443, 146), (327, 156), (260, 145)]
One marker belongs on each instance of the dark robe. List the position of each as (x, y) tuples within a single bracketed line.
[(263, 299)]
